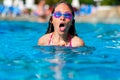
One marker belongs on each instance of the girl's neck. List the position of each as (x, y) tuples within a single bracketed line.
[(60, 37)]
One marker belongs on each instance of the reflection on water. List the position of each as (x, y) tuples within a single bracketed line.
[(60, 57), (72, 63), (111, 38), (65, 50)]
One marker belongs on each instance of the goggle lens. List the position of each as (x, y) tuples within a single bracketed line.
[(59, 14)]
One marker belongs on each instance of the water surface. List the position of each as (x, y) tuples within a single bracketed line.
[(22, 59)]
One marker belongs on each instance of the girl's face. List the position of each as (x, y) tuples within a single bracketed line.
[(62, 18)]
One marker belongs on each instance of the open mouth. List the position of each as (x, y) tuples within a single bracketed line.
[(62, 27)]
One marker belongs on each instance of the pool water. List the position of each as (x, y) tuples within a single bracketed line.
[(22, 59)]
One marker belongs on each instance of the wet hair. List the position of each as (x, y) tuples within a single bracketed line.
[(72, 30)]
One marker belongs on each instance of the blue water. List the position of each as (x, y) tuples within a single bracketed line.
[(22, 59)]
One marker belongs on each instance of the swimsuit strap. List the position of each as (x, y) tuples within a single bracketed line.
[(49, 43), (70, 39)]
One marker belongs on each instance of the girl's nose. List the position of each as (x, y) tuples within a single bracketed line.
[(62, 18)]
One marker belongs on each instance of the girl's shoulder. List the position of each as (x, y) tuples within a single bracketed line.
[(44, 39), (77, 41), (46, 36)]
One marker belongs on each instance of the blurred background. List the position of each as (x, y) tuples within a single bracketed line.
[(23, 22), (39, 10)]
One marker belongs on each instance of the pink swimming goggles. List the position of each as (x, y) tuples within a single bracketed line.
[(59, 14)]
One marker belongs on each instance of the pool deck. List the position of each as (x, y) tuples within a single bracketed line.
[(111, 15), (106, 16)]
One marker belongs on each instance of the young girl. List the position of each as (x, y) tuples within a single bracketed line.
[(61, 29)]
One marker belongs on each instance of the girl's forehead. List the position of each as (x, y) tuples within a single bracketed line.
[(62, 7)]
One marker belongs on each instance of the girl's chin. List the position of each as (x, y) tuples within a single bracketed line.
[(61, 32)]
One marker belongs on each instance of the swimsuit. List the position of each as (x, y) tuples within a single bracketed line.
[(50, 40)]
